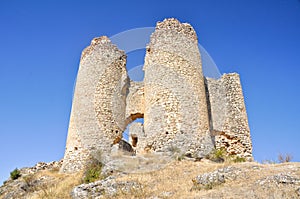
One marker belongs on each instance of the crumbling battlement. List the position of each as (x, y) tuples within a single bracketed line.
[(174, 24), (229, 122), (181, 108)]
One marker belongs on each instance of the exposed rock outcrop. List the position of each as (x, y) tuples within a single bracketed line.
[(106, 187), (179, 179)]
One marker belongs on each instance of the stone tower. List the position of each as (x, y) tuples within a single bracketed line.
[(181, 108), (229, 121), (98, 109), (176, 111)]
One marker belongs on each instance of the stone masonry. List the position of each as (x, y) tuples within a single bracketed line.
[(181, 108), (229, 122), (176, 108), (98, 110)]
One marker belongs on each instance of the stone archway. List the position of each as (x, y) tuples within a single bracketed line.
[(135, 129)]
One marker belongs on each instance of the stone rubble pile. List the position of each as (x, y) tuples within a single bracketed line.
[(54, 165), (107, 187), (211, 179)]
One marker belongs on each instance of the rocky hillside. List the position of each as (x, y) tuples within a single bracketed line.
[(181, 178)]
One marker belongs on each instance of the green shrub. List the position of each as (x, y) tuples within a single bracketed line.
[(180, 157), (94, 168), (15, 174), (237, 159), (93, 173), (218, 155), (221, 155)]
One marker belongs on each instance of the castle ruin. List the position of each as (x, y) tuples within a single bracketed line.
[(179, 105)]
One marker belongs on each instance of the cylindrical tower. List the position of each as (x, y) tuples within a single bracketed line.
[(98, 109), (175, 98)]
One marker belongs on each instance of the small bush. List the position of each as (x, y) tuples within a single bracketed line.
[(237, 159), (284, 158), (180, 157), (94, 168), (15, 174), (221, 155), (218, 155), (92, 173)]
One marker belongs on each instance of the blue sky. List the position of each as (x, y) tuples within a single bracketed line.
[(41, 44)]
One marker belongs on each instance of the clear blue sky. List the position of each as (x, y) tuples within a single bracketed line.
[(41, 43)]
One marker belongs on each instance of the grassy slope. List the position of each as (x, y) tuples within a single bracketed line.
[(175, 181)]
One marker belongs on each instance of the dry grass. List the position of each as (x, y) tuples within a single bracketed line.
[(59, 187), (175, 181)]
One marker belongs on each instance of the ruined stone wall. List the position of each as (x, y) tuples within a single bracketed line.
[(98, 109), (175, 100), (135, 105), (229, 121), (180, 107)]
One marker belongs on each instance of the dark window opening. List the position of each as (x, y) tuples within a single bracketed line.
[(134, 139)]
